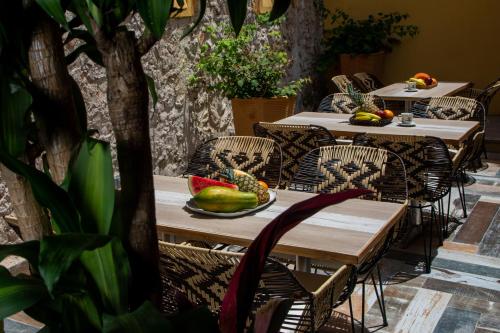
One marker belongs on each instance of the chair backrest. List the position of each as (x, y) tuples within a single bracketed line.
[(342, 103), (336, 168), (341, 82), (475, 147), (295, 141), (203, 276), (367, 82), (452, 108), (427, 162), (488, 93), (258, 156)]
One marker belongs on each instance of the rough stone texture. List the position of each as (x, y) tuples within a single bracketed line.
[(184, 117), (7, 234)]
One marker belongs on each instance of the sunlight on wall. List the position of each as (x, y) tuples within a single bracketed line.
[(459, 40)]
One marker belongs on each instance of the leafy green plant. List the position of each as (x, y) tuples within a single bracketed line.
[(82, 272), (237, 68), (364, 36)]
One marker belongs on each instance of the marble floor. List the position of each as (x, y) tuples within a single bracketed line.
[(462, 292)]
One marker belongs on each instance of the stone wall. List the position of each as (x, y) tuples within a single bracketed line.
[(183, 116)]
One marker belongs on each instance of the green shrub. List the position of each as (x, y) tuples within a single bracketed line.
[(238, 67)]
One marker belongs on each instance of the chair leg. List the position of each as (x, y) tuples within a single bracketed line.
[(380, 297), (352, 315), (440, 222), (461, 194), (427, 237)]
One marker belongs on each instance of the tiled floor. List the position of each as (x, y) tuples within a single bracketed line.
[(462, 292)]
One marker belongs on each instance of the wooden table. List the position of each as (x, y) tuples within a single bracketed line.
[(452, 132), (397, 92), (343, 233)]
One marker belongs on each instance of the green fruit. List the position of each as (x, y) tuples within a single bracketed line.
[(224, 200)]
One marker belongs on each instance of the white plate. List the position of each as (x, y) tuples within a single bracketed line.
[(191, 205), (407, 125)]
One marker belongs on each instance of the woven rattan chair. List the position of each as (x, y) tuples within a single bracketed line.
[(367, 82), (342, 82), (337, 168), (203, 276), (451, 108), (428, 169), (295, 141), (342, 103), (258, 156), (483, 96)]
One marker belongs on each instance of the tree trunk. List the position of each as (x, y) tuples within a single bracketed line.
[(127, 97), (31, 219), (57, 118)]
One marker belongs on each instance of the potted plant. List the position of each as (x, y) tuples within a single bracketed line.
[(361, 45), (248, 71)]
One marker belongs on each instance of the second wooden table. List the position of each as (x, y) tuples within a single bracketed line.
[(452, 132)]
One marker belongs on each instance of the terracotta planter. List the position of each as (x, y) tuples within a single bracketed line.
[(249, 111), (370, 63)]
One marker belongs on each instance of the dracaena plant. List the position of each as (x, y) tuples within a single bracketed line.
[(238, 67), (95, 267)]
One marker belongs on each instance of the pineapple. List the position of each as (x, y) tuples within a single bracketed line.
[(246, 183), (357, 98)]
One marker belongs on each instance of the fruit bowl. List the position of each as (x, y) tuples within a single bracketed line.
[(379, 123), (191, 205)]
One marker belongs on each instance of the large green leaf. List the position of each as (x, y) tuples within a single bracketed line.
[(279, 8), (238, 13), (91, 185), (80, 312), (155, 14), (110, 269), (47, 193), (79, 7), (145, 319), (201, 13), (14, 103), (28, 250), (57, 253), (55, 10), (17, 294)]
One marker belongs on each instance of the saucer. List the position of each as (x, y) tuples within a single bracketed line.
[(412, 124), (411, 90)]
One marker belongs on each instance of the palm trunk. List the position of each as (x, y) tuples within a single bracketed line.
[(128, 109), (57, 118), (31, 219)]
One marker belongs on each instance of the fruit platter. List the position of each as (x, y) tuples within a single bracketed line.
[(423, 81), (236, 193), (366, 112)]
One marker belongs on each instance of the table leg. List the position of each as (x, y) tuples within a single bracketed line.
[(408, 105), (303, 264)]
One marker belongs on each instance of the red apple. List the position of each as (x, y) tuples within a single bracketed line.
[(428, 81), (380, 113)]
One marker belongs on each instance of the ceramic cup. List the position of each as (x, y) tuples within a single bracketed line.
[(411, 86), (406, 118)]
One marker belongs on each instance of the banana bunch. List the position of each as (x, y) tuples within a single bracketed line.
[(367, 116), (419, 82)]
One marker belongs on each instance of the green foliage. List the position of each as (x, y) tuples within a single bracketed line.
[(234, 66), (15, 101), (155, 14), (364, 36)]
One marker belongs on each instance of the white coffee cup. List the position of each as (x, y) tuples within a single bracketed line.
[(411, 86), (406, 118)]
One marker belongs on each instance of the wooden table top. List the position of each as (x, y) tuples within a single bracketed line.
[(396, 91), (344, 233), (452, 132)]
